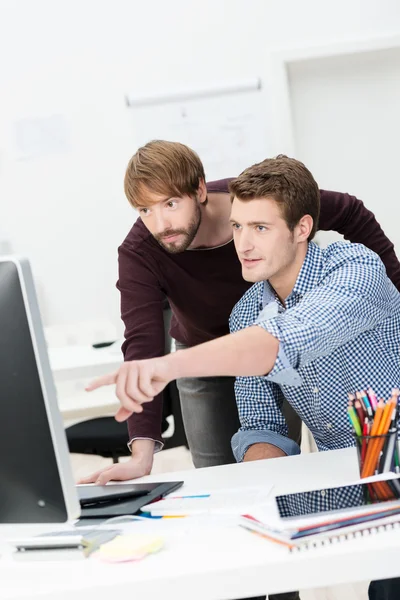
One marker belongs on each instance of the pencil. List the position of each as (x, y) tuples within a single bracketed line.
[(378, 415), (376, 445), (372, 452), (362, 397), (354, 420), (364, 441), (372, 398), (360, 412)]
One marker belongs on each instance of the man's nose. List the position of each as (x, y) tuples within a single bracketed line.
[(161, 224), (244, 243)]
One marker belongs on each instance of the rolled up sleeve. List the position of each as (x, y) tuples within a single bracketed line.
[(352, 300), (243, 439), (259, 403), (261, 418)]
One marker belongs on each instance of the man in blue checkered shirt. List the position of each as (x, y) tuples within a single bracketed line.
[(333, 314), (316, 325)]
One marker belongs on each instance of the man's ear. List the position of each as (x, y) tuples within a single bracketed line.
[(202, 191), (304, 228)]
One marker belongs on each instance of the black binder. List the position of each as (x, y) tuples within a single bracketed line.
[(129, 506)]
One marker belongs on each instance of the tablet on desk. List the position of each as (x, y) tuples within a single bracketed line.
[(339, 501), (94, 494)]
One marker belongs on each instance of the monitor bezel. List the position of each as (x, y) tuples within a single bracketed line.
[(49, 393)]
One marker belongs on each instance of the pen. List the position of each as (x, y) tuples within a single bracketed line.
[(184, 497), (390, 442), (379, 463), (396, 457), (388, 452), (398, 452)]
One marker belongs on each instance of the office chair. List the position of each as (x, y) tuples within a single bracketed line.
[(104, 436)]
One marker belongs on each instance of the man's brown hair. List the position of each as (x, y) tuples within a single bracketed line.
[(167, 168), (285, 180)]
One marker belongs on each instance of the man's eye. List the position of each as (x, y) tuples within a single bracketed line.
[(235, 225), (144, 211), (171, 204), (261, 228)]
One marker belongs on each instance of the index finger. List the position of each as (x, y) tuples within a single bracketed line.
[(100, 381)]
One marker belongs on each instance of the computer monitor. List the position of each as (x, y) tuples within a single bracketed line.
[(36, 479)]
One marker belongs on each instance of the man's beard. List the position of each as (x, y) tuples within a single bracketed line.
[(188, 235)]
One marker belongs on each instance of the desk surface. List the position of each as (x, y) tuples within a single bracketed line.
[(73, 367), (218, 560), (72, 360)]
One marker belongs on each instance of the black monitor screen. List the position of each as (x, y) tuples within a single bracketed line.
[(31, 490)]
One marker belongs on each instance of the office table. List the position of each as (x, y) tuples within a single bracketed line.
[(71, 362), (73, 367), (218, 561)]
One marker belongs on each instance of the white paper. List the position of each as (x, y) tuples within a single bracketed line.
[(231, 501)]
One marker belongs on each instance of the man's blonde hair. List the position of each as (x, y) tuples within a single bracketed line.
[(161, 167)]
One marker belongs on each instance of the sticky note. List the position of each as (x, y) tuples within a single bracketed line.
[(124, 548)]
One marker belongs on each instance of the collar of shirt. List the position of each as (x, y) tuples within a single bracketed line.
[(309, 277)]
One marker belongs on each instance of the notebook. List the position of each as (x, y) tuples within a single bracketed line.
[(323, 517), (376, 523)]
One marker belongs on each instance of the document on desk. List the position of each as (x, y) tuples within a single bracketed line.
[(230, 501)]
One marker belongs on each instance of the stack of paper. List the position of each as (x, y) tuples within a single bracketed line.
[(228, 501), (325, 515)]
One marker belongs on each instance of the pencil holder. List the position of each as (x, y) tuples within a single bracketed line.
[(377, 453)]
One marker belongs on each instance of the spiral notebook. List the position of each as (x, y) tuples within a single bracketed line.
[(322, 539), (323, 517), (386, 524)]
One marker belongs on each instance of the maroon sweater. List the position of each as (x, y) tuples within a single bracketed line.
[(202, 287)]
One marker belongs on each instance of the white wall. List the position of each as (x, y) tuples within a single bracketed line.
[(77, 59), (346, 122)]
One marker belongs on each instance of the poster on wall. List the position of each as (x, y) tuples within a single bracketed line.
[(227, 126)]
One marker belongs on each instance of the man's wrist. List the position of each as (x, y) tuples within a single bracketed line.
[(262, 450), (143, 448), (174, 365)]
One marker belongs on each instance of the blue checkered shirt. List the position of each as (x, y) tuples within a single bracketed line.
[(338, 332)]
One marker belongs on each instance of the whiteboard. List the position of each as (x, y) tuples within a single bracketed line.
[(228, 127)]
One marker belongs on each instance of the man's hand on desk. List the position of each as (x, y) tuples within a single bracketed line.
[(261, 451), (138, 465)]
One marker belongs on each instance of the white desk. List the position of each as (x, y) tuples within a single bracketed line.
[(221, 563), (73, 367), (72, 362)]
